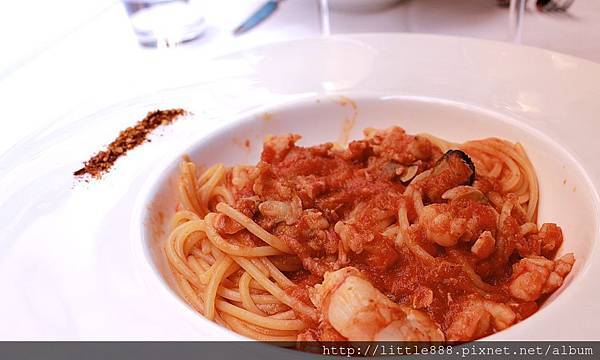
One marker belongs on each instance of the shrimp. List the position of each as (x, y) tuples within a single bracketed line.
[(477, 318), (277, 147), (484, 246), (440, 226), (460, 219), (359, 312), (534, 276), (280, 211), (465, 192)]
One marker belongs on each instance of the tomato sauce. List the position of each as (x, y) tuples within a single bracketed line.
[(357, 191)]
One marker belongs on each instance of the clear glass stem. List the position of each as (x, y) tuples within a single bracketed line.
[(515, 18), (324, 17)]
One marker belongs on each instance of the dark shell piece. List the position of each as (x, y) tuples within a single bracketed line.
[(464, 157)]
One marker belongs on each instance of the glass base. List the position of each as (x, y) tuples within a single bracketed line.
[(150, 39), (166, 23)]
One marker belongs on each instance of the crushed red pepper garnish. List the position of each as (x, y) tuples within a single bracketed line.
[(128, 139)]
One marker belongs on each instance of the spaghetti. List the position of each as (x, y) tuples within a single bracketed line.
[(433, 230)]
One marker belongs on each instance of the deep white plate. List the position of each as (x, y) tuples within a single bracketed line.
[(73, 260)]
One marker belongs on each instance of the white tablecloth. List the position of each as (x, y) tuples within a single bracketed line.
[(61, 56)]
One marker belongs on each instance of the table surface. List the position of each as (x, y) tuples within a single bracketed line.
[(63, 56)]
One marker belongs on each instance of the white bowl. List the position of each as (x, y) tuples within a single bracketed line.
[(567, 196)]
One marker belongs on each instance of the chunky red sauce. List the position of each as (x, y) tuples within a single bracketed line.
[(360, 188)]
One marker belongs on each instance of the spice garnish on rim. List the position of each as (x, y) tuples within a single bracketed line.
[(128, 139)]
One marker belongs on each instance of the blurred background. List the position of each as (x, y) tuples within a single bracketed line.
[(59, 55)]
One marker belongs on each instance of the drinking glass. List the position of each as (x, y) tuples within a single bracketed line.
[(515, 17), (164, 23)]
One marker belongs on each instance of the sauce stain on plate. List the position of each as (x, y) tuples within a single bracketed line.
[(349, 121), (243, 143), (266, 117)]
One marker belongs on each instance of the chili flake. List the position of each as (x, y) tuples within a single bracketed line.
[(128, 139)]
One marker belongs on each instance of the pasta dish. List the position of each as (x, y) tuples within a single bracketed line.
[(394, 237)]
